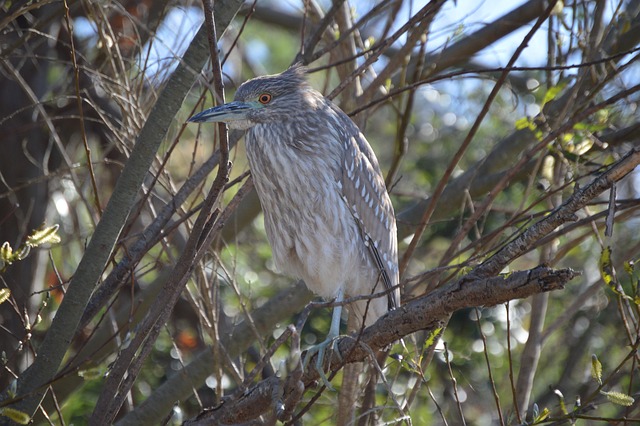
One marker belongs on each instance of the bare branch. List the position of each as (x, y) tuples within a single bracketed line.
[(63, 327), (206, 227), (563, 214), (425, 313)]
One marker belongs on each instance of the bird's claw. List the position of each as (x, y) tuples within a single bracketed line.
[(320, 349)]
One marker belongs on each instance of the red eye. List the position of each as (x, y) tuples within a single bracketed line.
[(264, 98)]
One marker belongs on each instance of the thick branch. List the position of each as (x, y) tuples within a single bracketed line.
[(563, 214), (430, 312), (486, 36), (58, 338), (425, 313), (150, 237), (236, 336), (209, 222), (200, 368)]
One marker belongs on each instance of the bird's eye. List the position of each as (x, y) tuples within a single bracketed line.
[(264, 98)]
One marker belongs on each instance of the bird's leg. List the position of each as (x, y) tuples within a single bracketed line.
[(334, 332)]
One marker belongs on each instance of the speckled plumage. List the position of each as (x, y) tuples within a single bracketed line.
[(327, 213)]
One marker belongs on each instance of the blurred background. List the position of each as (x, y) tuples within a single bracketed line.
[(78, 80)]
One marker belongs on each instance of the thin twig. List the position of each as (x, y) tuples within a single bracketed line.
[(425, 13), (454, 384), (83, 132), (453, 74), (511, 381), (425, 313), (129, 363), (463, 148), (496, 397)]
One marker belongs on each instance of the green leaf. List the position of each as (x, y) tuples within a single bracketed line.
[(602, 116), (589, 127), (22, 252), (553, 92), (91, 373), (619, 398), (15, 415), (387, 85), (432, 337), (563, 406), (525, 123), (6, 253), (629, 267), (370, 41), (596, 368), (4, 295), (606, 268), (43, 236), (542, 416)]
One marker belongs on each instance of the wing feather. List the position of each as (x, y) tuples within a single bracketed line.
[(365, 193)]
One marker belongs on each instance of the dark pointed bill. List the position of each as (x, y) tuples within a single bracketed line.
[(233, 111)]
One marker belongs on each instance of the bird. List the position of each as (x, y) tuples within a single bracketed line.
[(327, 213)]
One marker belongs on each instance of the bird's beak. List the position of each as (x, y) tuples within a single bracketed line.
[(233, 111)]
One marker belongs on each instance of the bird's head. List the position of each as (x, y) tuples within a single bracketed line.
[(262, 99)]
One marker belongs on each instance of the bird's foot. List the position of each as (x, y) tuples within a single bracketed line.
[(321, 349)]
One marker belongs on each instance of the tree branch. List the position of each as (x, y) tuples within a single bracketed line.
[(58, 338), (563, 214), (428, 312), (209, 222), (32, 382), (151, 235), (235, 338)]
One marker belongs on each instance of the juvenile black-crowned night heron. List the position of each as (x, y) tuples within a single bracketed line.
[(327, 213)]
